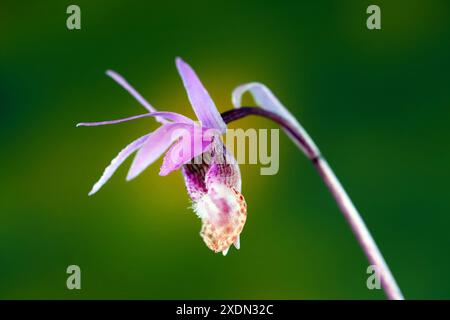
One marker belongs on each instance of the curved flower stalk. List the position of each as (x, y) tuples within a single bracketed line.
[(211, 174), (271, 108)]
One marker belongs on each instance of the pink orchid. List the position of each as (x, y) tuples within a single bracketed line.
[(211, 173)]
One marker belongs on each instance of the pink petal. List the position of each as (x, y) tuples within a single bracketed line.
[(117, 161), (155, 145), (176, 117), (189, 147), (201, 102), (265, 99), (124, 83)]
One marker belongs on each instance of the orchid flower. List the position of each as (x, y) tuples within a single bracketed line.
[(211, 174)]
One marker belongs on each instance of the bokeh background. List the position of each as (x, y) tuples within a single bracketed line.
[(376, 102)]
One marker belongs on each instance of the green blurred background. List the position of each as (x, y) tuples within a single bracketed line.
[(376, 102)]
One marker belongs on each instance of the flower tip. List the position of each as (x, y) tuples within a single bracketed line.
[(224, 252), (131, 175), (237, 243), (179, 60), (135, 170), (182, 66), (95, 188), (163, 172), (110, 73)]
